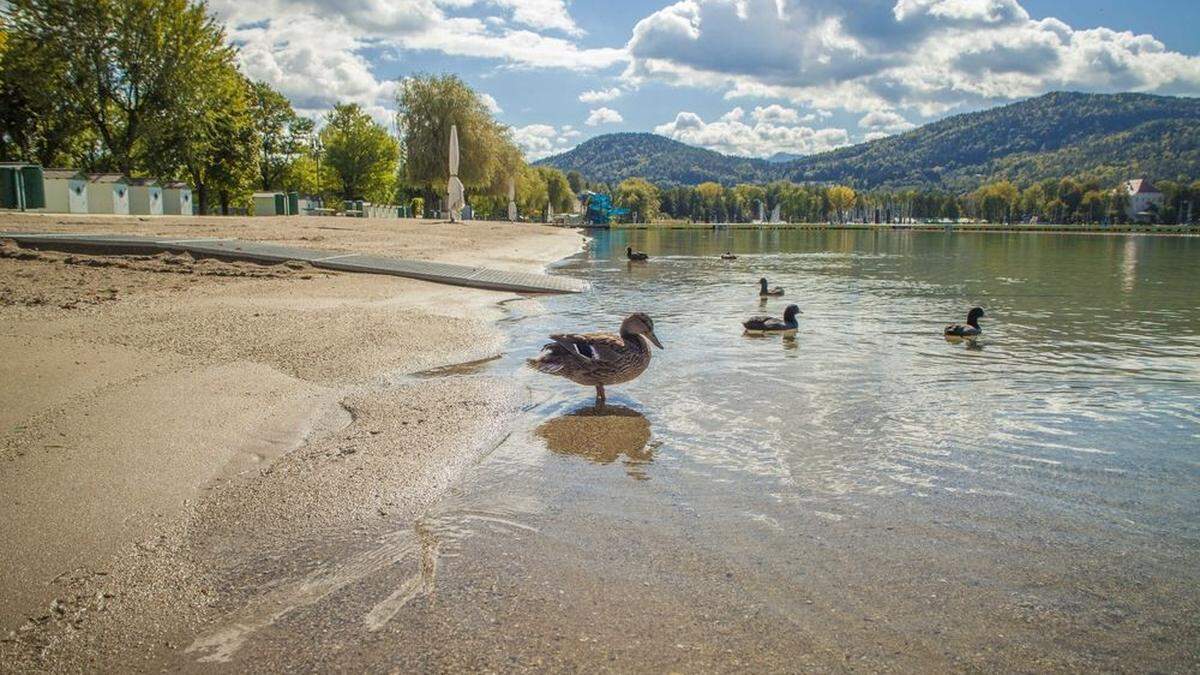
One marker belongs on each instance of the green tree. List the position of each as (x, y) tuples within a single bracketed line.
[(1033, 201), (709, 197), (360, 154), (639, 196), (427, 106), (273, 120), (209, 138), (575, 180), (123, 64), (558, 189), (841, 200), (36, 122)]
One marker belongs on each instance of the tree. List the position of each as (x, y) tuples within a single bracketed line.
[(996, 201), (1093, 206), (532, 192), (427, 106), (558, 189), (710, 196), (36, 123), (575, 180), (273, 120), (1033, 201), (209, 139), (360, 154), (746, 198), (640, 197), (123, 63), (841, 199)]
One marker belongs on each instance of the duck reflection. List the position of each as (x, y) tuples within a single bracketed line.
[(602, 435), (969, 343)]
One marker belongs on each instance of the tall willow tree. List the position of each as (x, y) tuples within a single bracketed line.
[(426, 107)]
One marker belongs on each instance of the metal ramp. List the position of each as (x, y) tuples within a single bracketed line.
[(262, 252)]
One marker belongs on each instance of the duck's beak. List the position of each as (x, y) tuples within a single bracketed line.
[(654, 339)]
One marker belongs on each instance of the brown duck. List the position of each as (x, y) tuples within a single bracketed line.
[(597, 359)]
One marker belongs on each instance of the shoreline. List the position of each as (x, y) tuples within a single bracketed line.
[(159, 412), (983, 228)]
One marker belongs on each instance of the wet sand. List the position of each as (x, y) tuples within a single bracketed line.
[(163, 417)]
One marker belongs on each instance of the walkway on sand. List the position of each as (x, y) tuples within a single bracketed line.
[(260, 252)]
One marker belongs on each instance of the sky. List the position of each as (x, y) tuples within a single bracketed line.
[(744, 77)]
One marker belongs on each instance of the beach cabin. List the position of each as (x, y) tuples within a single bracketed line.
[(270, 204), (108, 193), (66, 190), (145, 197), (177, 199), (21, 186), (1144, 200)]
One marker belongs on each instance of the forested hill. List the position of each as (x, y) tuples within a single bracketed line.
[(1108, 136), (615, 157)]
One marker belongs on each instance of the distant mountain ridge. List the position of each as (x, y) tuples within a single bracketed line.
[(1058, 134)]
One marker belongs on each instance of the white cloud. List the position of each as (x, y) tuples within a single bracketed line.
[(772, 129), (316, 51), (879, 123), (542, 14), (490, 103), (603, 115), (542, 140), (600, 95), (864, 55)]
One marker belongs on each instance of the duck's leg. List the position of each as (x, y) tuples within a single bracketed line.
[(599, 396)]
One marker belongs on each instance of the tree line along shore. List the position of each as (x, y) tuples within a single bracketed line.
[(1068, 201)]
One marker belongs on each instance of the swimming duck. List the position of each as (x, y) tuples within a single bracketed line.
[(770, 324), (635, 255), (764, 291), (971, 329), (728, 256), (597, 359)]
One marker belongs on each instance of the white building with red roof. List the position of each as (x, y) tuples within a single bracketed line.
[(1144, 200)]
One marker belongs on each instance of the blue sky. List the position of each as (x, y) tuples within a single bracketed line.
[(748, 77)]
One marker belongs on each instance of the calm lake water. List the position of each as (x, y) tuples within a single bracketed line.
[(866, 495)]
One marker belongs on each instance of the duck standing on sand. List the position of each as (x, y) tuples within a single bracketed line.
[(635, 255), (597, 359), (763, 291), (770, 324), (972, 328)]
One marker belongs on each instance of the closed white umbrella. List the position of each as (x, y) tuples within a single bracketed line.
[(512, 203), (454, 191)]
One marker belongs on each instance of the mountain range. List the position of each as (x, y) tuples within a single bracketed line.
[(1106, 136)]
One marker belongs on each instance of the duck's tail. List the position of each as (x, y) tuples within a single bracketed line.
[(550, 361)]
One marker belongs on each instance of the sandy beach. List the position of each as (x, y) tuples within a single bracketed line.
[(165, 421)]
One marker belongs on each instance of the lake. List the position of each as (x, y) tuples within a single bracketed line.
[(865, 495)]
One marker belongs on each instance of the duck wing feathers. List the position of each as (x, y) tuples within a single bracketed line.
[(764, 323), (593, 358), (588, 346), (959, 330)]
